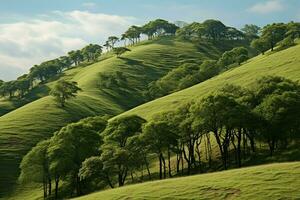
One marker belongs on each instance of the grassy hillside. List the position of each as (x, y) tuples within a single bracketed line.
[(284, 63), (24, 127), (274, 181), (7, 105)]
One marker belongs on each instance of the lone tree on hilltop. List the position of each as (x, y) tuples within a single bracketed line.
[(64, 90)]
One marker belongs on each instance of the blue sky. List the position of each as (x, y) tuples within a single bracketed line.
[(32, 31)]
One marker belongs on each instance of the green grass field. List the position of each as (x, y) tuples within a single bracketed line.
[(23, 127), (274, 181), (285, 63)]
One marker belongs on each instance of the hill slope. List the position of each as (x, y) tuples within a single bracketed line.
[(285, 63), (24, 127), (274, 181)]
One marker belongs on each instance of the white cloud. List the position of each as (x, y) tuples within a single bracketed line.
[(267, 7), (25, 43)]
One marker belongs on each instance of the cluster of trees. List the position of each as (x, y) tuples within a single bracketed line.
[(47, 70), (94, 153), (280, 34), (60, 157), (133, 35), (190, 74), (210, 29), (17, 88)]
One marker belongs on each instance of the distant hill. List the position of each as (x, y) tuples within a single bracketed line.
[(283, 63)]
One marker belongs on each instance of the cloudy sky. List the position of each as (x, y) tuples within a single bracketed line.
[(32, 31)]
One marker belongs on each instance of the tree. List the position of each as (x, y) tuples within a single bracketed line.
[(275, 101), (236, 55), (112, 40), (65, 61), (64, 90), (280, 112), (116, 157), (92, 52), (159, 137), (216, 113), (241, 54), (120, 50), (286, 42), (71, 146), (273, 33), (251, 31), (76, 57), (260, 45), (189, 136), (234, 34), (214, 29), (35, 167), (133, 34), (227, 59), (92, 170), (209, 68), (293, 30)]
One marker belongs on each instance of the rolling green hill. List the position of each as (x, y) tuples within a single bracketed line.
[(22, 128), (274, 181), (284, 63)]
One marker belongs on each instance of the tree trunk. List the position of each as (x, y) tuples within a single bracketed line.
[(147, 166), (132, 179), (45, 187), (187, 158), (177, 162), (271, 147), (56, 187), (109, 182), (160, 166), (50, 186), (78, 186), (165, 168), (239, 148), (169, 163)]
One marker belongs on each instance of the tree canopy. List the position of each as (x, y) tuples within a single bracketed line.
[(64, 90)]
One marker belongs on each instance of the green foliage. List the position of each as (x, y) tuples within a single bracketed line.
[(251, 31), (64, 90), (61, 156), (92, 52), (112, 40), (133, 34), (260, 45), (286, 42), (274, 33), (116, 156), (293, 30), (236, 55), (35, 165), (120, 50), (159, 27), (210, 29)]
